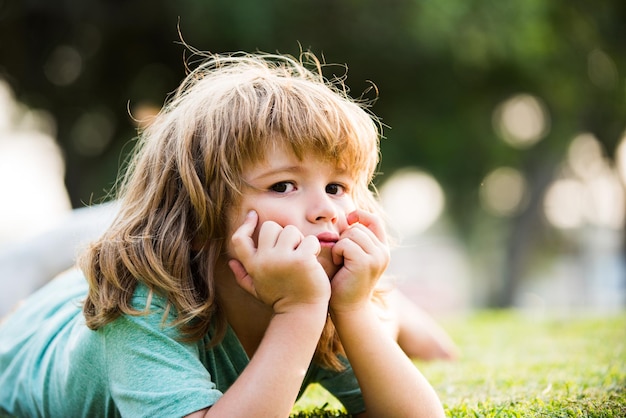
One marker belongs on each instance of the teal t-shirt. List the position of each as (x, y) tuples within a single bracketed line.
[(51, 364)]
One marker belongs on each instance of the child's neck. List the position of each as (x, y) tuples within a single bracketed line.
[(249, 333), (246, 315)]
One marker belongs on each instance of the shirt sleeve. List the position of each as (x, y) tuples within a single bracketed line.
[(151, 373), (343, 386)]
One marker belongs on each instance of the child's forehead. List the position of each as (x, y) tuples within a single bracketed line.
[(280, 156)]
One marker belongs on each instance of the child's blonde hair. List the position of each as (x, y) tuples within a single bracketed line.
[(187, 173)]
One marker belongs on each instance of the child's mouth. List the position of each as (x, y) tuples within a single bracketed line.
[(327, 239)]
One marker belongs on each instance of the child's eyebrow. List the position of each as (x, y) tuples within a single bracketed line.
[(290, 169), (278, 171)]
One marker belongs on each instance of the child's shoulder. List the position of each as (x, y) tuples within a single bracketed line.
[(153, 311)]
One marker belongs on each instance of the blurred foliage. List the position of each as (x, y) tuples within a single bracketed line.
[(441, 67)]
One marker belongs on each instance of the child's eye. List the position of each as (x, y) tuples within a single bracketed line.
[(335, 189), (282, 187)]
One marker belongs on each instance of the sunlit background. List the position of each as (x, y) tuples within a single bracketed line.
[(504, 156), (584, 204), (31, 171)]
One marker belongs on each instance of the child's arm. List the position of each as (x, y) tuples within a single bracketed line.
[(269, 385), (391, 384), (282, 271)]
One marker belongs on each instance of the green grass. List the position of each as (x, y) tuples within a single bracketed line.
[(517, 365)]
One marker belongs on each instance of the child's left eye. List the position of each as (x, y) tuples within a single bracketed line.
[(335, 189)]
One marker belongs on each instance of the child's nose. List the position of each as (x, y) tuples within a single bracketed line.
[(322, 208)]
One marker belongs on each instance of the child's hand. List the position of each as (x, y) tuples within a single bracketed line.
[(282, 269), (365, 255)]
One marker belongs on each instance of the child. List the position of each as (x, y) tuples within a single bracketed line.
[(240, 268)]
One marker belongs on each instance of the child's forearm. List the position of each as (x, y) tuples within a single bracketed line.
[(269, 385), (382, 368)]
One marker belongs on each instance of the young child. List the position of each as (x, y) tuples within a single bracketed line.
[(241, 267)]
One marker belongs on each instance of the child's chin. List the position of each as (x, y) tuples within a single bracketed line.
[(325, 258), (330, 268)]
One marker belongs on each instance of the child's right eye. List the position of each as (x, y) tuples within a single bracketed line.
[(282, 187)]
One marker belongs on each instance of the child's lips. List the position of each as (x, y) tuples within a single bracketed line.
[(327, 239)]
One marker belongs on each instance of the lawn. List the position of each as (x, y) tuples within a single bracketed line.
[(516, 364)]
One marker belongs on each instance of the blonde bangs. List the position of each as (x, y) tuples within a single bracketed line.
[(255, 102)]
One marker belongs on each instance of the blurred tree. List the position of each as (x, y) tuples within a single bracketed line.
[(498, 49), (441, 68)]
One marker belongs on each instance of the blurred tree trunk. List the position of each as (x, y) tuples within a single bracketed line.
[(524, 232)]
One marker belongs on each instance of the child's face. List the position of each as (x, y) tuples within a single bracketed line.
[(311, 194)]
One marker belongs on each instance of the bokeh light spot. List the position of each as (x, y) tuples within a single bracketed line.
[(63, 65), (92, 132), (413, 200), (585, 156), (602, 70), (563, 204), (521, 121), (503, 191)]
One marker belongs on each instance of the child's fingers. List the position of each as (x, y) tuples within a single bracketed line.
[(241, 275), (289, 237), (268, 234), (310, 245), (342, 248), (370, 221), (363, 237), (243, 243)]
